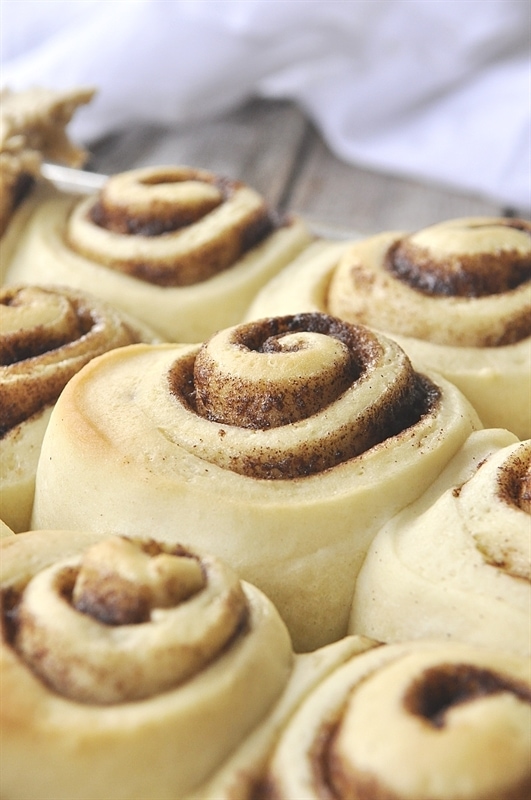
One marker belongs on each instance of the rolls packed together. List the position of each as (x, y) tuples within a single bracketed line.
[(47, 333), (265, 497), (456, 296), (130, 669), (411, 721), (182, 249), (280, 445)]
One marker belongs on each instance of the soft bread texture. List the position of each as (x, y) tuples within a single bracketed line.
[(456, 296), (138, 442), (47, 333), (409, 721), (92, 628), (242, 776), (457, 563), (182, 249)]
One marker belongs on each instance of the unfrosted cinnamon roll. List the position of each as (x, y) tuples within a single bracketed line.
[(47, 333), (281, 446), (457, 563), (183, 249), (130, 669), (456, 296), (438, 720)]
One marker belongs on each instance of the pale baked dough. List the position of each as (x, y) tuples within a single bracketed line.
[(292, 507), (241, 777), (129, 670), (439, 720), (184, 250), (481, 342), (33, 127), (457, 563), (47, 333), (5, 530)]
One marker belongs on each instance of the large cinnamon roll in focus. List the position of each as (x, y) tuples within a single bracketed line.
[(183, 249), (456, 296), (130, 669), (280, 445), (438, 720), (47, 333), (457, 563)]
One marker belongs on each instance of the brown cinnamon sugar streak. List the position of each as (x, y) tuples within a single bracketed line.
[(47, 334), (261, 399), (160, 204)]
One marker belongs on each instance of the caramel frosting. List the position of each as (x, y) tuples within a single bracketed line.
[(279, 445), (457, 562), (433, 719), (46, 335), (33, 127), (126, 648), (456, 296), (183, 249)]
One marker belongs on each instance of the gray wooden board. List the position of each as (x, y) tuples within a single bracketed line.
[(273, 147)]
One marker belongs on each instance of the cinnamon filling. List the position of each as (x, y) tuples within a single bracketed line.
[(514, 479), (461, 274), (272, 399), (137, 204), (441, 688)]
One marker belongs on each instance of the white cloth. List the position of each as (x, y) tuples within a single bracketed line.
[(433, 89)]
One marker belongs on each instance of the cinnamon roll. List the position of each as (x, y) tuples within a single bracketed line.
[(183, 249), (456, 296), (130, 669), (457, 562), (280, 445), (439, 720), (47, 333)]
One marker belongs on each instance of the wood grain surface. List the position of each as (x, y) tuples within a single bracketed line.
[(273, 147)]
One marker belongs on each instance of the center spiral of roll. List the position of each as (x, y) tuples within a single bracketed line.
[(465, 258), (429, 712), (46, 335), (170, 226), (277, 373), (290, 396), (125, 620)]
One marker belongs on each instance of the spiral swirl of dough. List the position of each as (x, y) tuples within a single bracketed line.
[(47, 333), (440, 720), (457, 562), (171, 226), (133, 651), (280, 446), (124, 622), (184, 250), (312, 391), (464, 283), (455, 296)]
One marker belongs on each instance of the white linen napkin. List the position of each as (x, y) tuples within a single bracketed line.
[(438, 90)]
